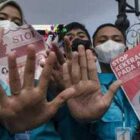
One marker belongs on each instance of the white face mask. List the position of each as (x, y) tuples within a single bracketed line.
[(109, 50), (6, 24)]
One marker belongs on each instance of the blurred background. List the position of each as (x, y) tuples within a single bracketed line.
[(91, 13)]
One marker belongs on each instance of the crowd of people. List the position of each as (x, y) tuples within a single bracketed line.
[(71, 100)]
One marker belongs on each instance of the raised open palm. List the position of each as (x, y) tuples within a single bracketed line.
[(28, 107), (91, 104)]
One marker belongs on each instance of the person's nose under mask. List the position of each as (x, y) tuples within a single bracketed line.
[(7, 24), (109, 50)]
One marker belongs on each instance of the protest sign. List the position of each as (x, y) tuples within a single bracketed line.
[(18, 40), (126, 67)]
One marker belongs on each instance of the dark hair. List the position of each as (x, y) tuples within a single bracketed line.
[(106, 25), (14, 4), (77, 25)]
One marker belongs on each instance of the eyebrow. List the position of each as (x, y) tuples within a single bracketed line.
[(117, 35), (105, 36), (80, 32), (15, 18), (4, 14)]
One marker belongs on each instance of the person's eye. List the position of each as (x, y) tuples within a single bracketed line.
[(69, 36), (18, 24), (82, 36), (101, 41), (118, 40), (2, 18)]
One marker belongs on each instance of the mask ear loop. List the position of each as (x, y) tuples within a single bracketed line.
[(24, 22), (94, 52)]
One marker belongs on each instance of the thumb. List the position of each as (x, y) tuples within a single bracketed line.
[(61, 98), (111, 92), (2, 93)]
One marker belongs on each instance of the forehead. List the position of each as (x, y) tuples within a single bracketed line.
[(74, 31), (11, 11), (108, 31)]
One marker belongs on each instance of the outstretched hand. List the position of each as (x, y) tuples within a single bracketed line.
[(57, 73), (28, 107), (91, 104)]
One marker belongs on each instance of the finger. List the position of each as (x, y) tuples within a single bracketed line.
[(75, 73), (47, 52), (107, 98), (40, 59), (46, 73), (92, 69), (58, 76), (29, 67), (59, 54), (57, 66), (3, 99), (83, 62), (66, 75), (2, 93), (14, 79), (68, 48), (1, 35), (69, 93), (62, 97), (42, 63)]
